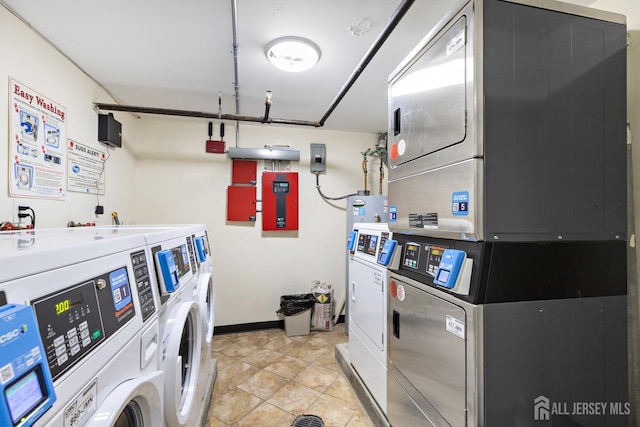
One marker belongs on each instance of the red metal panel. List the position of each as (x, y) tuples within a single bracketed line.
[(241, 203), (279, 201), (244, 172)]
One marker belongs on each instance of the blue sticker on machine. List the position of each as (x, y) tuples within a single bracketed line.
[(393, 213), (120, 290), (460, 203)]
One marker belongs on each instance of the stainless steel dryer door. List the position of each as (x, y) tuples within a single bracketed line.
[(427, 348)]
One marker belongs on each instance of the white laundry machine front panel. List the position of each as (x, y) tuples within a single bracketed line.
[(180, 361), (136, 402), (367, 364), (367, 307), (86, 313)]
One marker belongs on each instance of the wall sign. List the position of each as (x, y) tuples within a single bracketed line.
[(86, 168), (37, 135)]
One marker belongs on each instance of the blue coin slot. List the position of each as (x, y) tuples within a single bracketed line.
[(168, 271), (386, 254), (202, 256), (449, 268)]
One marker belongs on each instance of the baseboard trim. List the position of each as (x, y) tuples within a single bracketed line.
[(256, 326)]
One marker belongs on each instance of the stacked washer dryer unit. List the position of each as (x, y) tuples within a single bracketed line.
[(371, 249), (98, 322), (507, 193)]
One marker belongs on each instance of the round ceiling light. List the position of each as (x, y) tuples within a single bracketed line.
[(292, 54)]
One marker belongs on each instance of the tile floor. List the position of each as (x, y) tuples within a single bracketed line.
[(267, 379)]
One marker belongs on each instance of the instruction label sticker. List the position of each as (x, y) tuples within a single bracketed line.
[(460, 203), (393, 213), (455, 326), (456, 43)]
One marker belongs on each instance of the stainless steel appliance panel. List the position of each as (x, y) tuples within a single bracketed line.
[(544, 107), (428, 100), (427, 345), (427, 204), (431, 100)]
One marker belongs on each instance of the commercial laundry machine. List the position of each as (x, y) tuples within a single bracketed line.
[(180, 321), (186, 248), (371, 249), (507, 194), (99, 340), (362, 208)]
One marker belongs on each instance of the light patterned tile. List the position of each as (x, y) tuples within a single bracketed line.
[(306, 351), (232, 406), (334, 412), (263, 384), (294, 398), (287, 366), (328, 360), (235, 373), (360, 420), (316, 377), (214, 422), (341, 389), (262, 358), (266, 414), (281, 343), (221, 387)]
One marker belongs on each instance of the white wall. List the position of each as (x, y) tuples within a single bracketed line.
[(27, 58), (162, 175), (178, 182)]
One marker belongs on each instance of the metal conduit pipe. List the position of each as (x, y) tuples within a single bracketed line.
[(200, 114), (395, 18), (236, 87)]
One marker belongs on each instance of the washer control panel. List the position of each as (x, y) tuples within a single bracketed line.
[(143, 284), (76, 320)]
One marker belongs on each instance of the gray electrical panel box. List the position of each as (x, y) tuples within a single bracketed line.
[(318, 160)]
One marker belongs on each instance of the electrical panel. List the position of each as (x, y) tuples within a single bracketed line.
[(318, 161), (241, 195), (279, 201), (244, 172), (241, 203)]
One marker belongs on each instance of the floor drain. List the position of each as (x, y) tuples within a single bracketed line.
[(307, 421)]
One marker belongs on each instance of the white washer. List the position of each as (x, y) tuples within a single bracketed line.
[(188, 388), (368, 309), (204, 294), (180, 325), (88, 307)]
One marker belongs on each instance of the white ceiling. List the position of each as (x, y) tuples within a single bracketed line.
[(179, 55)]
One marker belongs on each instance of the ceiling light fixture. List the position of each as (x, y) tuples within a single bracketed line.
[(293, 54)]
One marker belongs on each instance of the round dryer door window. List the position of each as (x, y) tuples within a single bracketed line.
[(182, 363), (131, 416), (207, 305)]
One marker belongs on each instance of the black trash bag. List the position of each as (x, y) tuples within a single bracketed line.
[(294, 304)]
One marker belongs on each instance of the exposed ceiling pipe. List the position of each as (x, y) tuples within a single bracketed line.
[(395, 18), (236, 87), (398, 14), (200, 114), (234, 25)]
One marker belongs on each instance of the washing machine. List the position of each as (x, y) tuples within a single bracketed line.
[(180, 320), (188, 388), (371, 249), (203, 292), (98, 320)]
